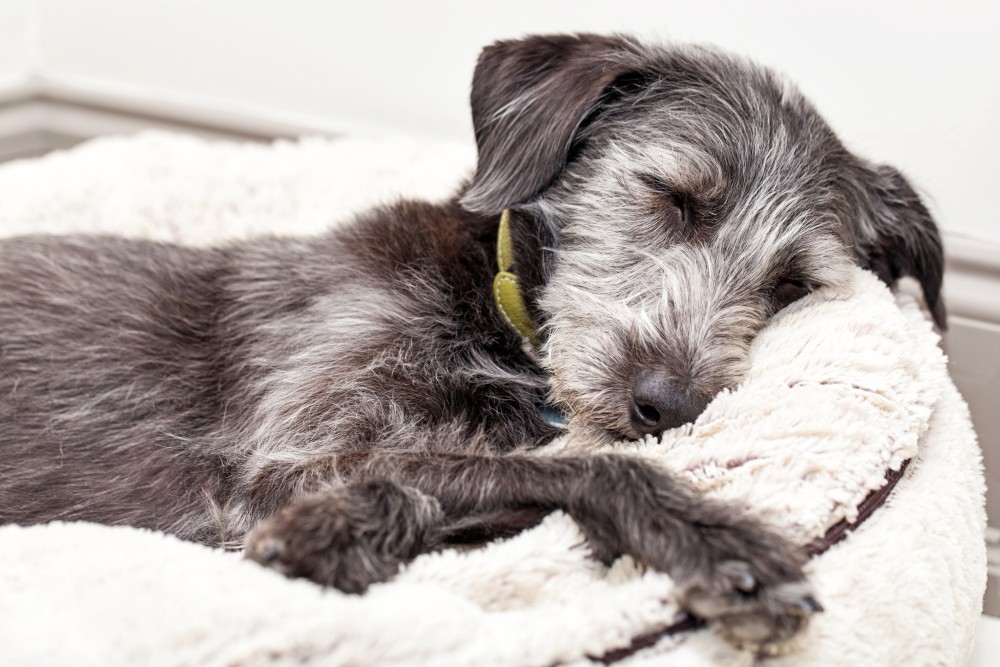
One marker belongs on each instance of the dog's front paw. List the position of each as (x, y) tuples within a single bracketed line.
[(348, 536), (750, 607), (734, 572)]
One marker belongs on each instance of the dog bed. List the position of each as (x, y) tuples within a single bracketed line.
[(847, 435)]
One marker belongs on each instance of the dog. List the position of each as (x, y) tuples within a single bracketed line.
[(343, 403)]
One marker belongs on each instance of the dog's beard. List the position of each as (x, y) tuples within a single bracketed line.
[(596, 344), (689, 311)]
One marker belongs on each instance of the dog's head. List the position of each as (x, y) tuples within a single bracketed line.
[(666, 202)]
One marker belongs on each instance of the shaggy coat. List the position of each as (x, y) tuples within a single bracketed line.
[(343, 403)]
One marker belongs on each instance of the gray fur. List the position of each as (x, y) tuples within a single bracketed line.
[(344, 403)]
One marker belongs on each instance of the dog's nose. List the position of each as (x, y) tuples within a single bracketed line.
[(660, 402)]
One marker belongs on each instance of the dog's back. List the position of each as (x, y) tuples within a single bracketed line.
[(108, 362), (151, 385)]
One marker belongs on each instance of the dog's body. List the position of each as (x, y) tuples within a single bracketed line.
[(362, 389)]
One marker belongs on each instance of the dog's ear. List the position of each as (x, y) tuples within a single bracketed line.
[(902, 239), (529, 99)]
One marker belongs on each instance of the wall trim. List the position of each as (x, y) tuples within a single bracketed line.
[(972, 278), (66, 111)]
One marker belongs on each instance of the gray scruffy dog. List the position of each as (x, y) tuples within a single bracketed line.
[(344, 403)]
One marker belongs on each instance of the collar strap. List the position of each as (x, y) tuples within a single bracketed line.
[(506, 289)]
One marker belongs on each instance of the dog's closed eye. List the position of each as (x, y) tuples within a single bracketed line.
[(787, 292)]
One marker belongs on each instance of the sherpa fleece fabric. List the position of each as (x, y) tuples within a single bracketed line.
[(845, 386)]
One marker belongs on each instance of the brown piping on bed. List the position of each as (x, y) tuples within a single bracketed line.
[(836, 533), (872, 502)]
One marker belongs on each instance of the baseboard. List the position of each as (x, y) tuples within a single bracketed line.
[(991, 602), (84, 108), (972, 278), (34, 113)]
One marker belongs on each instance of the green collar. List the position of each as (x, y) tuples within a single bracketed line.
[(506, 289)]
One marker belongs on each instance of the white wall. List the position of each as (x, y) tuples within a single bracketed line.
[(16, 41), (911, 82)]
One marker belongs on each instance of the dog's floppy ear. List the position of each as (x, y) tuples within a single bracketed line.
[(529, 98), (903, 240)]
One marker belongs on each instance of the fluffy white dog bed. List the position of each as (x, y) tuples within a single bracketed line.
[(847, 389)]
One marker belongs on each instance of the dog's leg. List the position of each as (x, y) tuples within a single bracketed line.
[(732, 570), (349, 535)]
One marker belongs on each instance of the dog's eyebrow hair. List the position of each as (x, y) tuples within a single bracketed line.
[(657, 182), (662, 185)]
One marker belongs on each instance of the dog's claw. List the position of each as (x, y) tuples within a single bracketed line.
[(807, 605), (745, 581), (739, 575)]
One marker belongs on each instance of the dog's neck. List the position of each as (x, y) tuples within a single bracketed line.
[(521, 273), (511, 301), (507, 288)]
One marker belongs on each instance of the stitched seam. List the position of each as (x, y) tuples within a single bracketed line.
[(496, 297)]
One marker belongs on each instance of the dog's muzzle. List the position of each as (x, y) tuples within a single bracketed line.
[(660, 402)]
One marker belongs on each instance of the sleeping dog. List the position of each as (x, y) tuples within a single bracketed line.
[(341, 404)]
